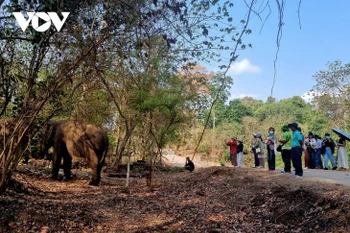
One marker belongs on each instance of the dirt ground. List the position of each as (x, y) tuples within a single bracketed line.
[(215, 199)]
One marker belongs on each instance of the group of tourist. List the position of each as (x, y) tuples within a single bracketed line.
[(236, 151), (292, 145)]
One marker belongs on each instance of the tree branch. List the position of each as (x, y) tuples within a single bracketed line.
[(233, 58), (278, 41), (299, 14)]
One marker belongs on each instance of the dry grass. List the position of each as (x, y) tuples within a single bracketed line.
[(215, 199)]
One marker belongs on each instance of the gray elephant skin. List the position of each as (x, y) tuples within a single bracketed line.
[(76, 139)]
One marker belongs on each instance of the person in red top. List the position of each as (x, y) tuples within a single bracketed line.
[(233, 150)]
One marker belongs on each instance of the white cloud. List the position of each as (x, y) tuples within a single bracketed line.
[(244, 66), (309, 96)]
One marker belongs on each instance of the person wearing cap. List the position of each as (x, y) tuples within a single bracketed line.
[(306, 154), (259, 147), (311, 145), (328, 148), (240, 147), (297, 150), (233, 150), (286, 149)]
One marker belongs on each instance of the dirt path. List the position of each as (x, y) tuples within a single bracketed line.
[(179, 161), (335, 177)]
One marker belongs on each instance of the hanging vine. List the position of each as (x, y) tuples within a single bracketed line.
[(263, 6)]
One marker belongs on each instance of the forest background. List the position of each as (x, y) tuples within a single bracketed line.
[(135, 69)]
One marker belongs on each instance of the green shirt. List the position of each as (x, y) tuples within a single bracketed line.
[(287, 136)]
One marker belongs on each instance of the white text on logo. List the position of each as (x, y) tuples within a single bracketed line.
[(34, 18)]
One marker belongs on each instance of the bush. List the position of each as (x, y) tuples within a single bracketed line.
[(203, 149), (112, 142), (226, 156), (222, 162)]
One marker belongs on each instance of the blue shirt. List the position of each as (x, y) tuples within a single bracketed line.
[(296, 137), (319, 143)]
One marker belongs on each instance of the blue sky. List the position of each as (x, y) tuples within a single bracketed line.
[(324, 36)]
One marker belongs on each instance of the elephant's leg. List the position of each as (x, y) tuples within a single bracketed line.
[(96, 175), (67, 165), (96, 169), (56, 162)]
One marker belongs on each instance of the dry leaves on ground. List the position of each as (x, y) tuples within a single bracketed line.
[(215, 199)]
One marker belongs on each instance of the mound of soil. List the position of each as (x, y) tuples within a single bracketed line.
[(216, 199)]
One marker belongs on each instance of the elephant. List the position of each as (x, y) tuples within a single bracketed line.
[(76, 139), (48, 139)]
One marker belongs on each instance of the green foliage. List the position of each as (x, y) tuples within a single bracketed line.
[(286, 110), (226, 156), (112, 142), (236, 111), (215, 83), (259, 116), (319, 123), (222, 163), (203, 148), (33, 148), (279, 161), (332, 93)]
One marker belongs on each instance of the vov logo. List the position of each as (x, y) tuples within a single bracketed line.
[(34, 18)]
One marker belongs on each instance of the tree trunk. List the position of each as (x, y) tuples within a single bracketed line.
[(120, 150), (152, 160), (128, 172), (150, 176)]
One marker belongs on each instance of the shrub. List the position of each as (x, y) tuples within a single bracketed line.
[(203, 149), (226, 156), (222, 163)]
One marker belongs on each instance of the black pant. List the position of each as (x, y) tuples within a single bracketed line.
[(296, 153), (311, 158), (256, 159), (271, 158), (286, 157)]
